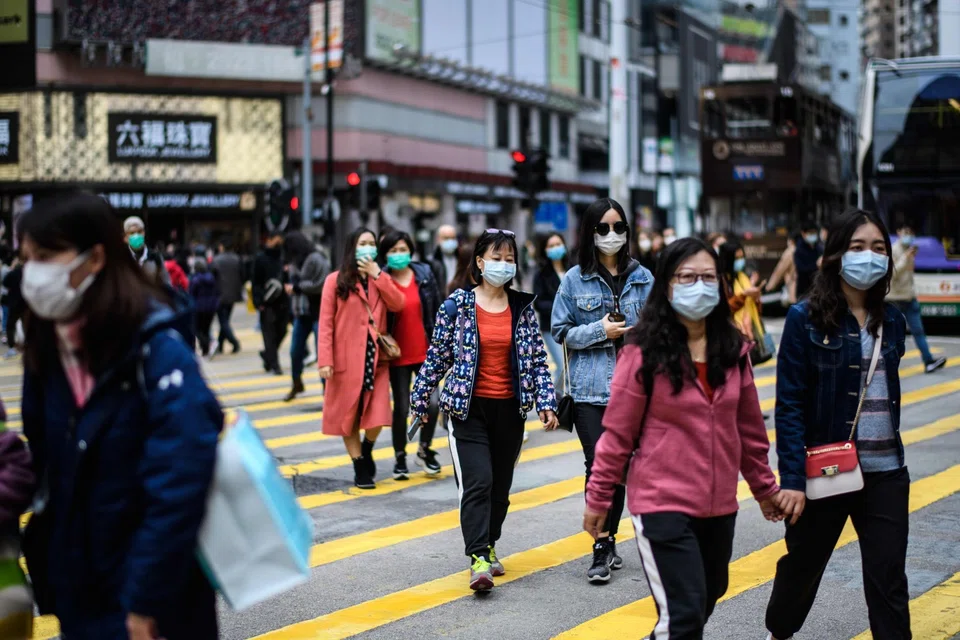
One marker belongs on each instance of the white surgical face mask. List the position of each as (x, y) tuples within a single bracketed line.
[(645, 245), (669, 240), (46, 288), (863, 269), (497, 273), (611, 243), (695, 301)]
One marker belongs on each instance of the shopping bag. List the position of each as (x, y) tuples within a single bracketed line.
[(255, 539)]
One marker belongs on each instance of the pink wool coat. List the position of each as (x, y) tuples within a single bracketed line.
[(342, 344)]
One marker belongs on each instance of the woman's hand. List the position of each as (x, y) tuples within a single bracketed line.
[(368, 267), (613, 329), (326, 372), (593, 522), (770, 509), (791, 503), (549, 420), (142, 628)]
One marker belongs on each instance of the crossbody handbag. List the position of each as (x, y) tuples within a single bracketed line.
[(565, 406), (834, 469), (389, 347)]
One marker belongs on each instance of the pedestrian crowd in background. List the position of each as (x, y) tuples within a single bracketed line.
[(650, 364)]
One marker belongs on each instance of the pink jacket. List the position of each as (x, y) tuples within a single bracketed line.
[(691, 450)]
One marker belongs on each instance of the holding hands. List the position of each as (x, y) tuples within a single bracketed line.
[(784, 504)]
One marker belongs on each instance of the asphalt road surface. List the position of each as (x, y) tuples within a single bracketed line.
[(389, 564)]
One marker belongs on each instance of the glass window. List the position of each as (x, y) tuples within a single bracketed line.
[(597, 80), (524, 126), (826, 72), (818, 16), (546, 135), (712, 119), (564, 132), (583, 76), (503, 125), (844, 75), (844, 21), (748, 117), (603, 22), (785, 116)]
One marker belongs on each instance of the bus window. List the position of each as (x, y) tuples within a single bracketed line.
[(748, 117), (785, 116), (712, 119)]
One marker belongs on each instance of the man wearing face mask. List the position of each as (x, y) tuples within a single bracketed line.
[(903, 294), (270, 298), (150, 261), (806, 257), (669, 236), (444, 262)]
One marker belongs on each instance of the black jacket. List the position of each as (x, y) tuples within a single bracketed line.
[(268, 279), (545, 287), (228, 267)]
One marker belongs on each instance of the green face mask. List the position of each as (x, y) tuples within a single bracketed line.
[(366, 252), (398, 261), (136, 241)]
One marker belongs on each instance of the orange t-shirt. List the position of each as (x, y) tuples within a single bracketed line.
[(702, 377), (494, 377)]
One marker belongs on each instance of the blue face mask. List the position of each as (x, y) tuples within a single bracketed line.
[(695, 301), (863, 269), (366, 252), (811, 238), (450, 246), (739, 265), (557, 253), (907, 240), (498, 273)]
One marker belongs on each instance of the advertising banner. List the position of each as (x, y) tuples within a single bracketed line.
[(9, 137), (162, 137), (18, 44), (317, 34), (563, 27), (391, 23)]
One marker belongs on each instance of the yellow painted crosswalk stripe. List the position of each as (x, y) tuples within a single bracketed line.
[(936, 614), (752, 570)]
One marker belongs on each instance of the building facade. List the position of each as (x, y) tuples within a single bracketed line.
[(877, 29), (922, 25), (838, 36)]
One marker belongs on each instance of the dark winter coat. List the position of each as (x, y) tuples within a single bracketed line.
[(205, 292)]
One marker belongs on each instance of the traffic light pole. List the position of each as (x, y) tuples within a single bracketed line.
[(306, 128), (328, 79)]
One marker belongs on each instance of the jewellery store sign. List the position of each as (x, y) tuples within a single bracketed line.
[(162, 137)]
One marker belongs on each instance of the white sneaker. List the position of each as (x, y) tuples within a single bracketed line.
[(310, 359)]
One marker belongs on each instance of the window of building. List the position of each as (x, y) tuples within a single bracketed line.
[(564, 150), (597, 80), (524, 126), (603, 21), (844, 21), (844, 75), (546, 135), (826, 73), (748, 117), (818, 16), (583, 76), (503, 125)]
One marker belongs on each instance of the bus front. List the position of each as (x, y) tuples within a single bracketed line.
[(910, 167)]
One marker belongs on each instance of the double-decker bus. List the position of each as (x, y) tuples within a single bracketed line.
[(909, 161)]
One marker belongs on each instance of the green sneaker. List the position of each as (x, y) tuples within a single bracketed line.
[(496, 567), (480, 577)]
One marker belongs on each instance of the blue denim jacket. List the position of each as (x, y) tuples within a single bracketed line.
[(578, 311), (818, 386)]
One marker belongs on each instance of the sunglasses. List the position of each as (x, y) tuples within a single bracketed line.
[(604, 228), (505, 232)]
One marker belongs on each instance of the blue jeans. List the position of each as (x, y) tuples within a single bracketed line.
[(303, 327), (556, 353), (911, 311)]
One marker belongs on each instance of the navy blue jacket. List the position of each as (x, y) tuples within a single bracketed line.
[(818, 386), (128, 477)]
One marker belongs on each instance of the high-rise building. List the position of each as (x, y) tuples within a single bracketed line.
[(877, 29), (835, 26), (919, 25)]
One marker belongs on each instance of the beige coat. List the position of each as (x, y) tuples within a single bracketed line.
[(902, 287)]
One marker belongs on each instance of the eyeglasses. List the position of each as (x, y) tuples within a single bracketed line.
[(505, 232), (603, 228), (690, 278)]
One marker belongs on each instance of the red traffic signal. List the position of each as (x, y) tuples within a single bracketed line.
[(519, 156), (353, 179), (294, 203)]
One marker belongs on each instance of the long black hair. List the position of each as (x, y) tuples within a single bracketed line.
[(389, 239), (349, 274), (728, 255), (499, 241), (542, 259), (587, 253), (116, 304), (663, 338), (826, 301)]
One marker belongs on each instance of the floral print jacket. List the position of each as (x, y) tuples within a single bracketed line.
[(455, 349)]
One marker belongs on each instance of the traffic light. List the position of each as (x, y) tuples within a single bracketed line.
[(280, 202), (521, 171), (539, 162), (373, 193), (353, 192)]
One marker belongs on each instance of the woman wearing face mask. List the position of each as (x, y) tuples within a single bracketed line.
[(123, 431), (412, 328), (806, 257), (353, 313), (742, 296), (685, 405), (838, 401), (552, 268), (489, 340), (598, 300), (645, 251)]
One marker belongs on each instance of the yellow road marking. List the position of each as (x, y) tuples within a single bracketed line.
[(749, 571), (935, 615)]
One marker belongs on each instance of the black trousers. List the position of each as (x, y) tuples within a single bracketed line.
[(226, 329), (588, 419), (273, 324), (12, 318), (485, 448), (687, 562), (400, 379), (204, 320), (880, 515)]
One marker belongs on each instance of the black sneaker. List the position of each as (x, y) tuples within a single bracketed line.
[(427, 458), (400, 471), (366, 451), (297, 389), (616, 561), (361, 478), (939, 363), (600, 569)]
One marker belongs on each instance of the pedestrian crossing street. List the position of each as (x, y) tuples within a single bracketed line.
[(389, 563)]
